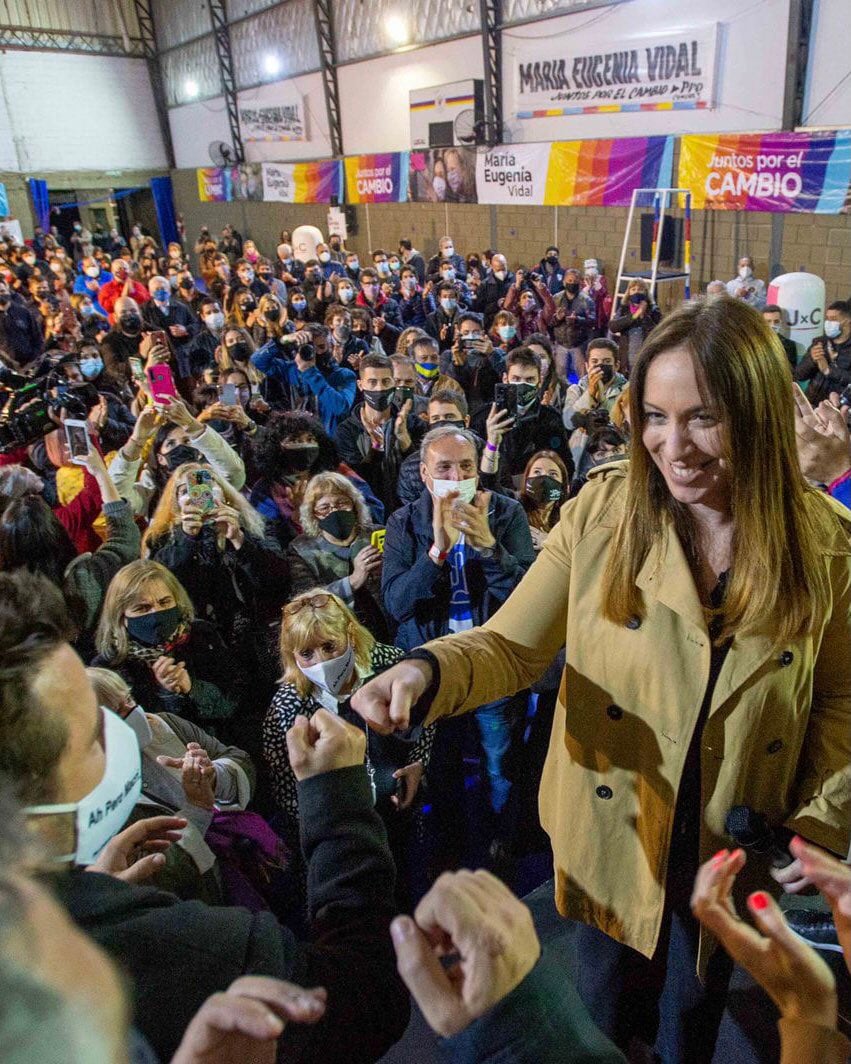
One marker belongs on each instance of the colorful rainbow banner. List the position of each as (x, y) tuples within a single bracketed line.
[(768, 171), (603, 173), (377, 178), (213, 184), (318, 182)]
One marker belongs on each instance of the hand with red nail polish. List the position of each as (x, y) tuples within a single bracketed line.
[(791, 972)]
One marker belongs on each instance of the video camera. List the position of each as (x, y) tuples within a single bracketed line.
[(27, 405)]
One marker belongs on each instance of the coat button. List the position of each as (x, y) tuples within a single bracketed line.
[(604, 792), (633, 623), (774, 746), (786, 658), (614, 712)]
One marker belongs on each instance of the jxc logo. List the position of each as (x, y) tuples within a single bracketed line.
[(798, 317)]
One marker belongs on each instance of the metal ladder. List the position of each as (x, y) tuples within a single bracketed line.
[(661, 205)]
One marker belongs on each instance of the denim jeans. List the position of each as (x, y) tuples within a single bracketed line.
[(497, 724)]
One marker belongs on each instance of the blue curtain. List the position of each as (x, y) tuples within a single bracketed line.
[(41, 202), (164, 203)]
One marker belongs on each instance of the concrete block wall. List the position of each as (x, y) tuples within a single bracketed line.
[(818, 243)]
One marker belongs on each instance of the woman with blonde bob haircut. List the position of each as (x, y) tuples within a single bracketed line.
[(215, 543), (171, 661), (703, 591), (326, 655)]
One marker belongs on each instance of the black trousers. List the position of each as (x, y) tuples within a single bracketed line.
[(727, 1020)]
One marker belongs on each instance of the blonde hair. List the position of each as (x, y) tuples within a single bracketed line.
[(311, 624), (331, 484), (273, 328), (407, 336), (167, 513), (110, 688), (111, 636), (777, 583)]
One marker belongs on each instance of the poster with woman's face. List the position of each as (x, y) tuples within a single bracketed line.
[(443, 175)]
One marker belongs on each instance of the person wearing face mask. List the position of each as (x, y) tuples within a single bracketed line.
[(385, 311), (70, 775), (219, 550), (595, 286), (442, 322), (493, 289), (329, 265), (188, 292), (241, 308), (473, 361), (503, 332), (450, 559), (338, 252), (187, 773), (573, 323), (379, 433), (827, 363), (415, 303), (413, 258), (165, 312), (244, 275), (444, 407), (123, 285), (298, 312), (123, 340), (352, 270), (171, 436), (291, 448), (266, 274), (532, 426), (345, 290), (200, 352), (531, 301), (335, 552), (552, 270), (91, 277), (632, 321), (346, 348), (302, 362), (289, 269), (745, 286), (446, 253), (597, 390), (271, 321), (773, 317), (543, 489), (326, 654)]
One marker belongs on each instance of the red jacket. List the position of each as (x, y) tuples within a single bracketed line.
[(112, 290)]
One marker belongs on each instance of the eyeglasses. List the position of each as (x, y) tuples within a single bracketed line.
[(341, 504), (315, 602)]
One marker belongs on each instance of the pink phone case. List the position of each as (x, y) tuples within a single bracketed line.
[(161, 382)]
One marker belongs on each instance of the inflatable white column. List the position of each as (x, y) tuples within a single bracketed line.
[(801, 297), (305, 239)]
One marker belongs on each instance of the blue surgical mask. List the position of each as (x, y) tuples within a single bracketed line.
[(448, 305), (86, 310), (299, 305), (448, 275), (507, 332), (91, 367), (161, 295)]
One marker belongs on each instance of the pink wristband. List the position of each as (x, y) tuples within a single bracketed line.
[(490, 447)]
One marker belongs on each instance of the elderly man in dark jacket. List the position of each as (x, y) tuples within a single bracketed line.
[(492, 290), (451, 559)]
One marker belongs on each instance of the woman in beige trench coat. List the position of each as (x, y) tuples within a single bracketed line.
[(704, 596)]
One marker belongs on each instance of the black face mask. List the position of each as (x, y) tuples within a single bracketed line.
[(527, 394), (339, 523), (552, 260), (298, 457), (543, 490), (131, 323), (181, 454), (240, 351), (151, 629), (272, 314), (454, 424), (186, 285), (247, 306), (571, 289), (379, 400), (607, 373)]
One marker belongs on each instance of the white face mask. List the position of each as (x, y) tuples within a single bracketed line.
[(439, 186), (744, 271), (332, 675), (466, 489), (832, 329), (104, 811), (138, 721), (448, 251), (499, 275), (92, 271)]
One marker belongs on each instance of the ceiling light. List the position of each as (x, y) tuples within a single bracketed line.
[(271, 64), (190, 89), (396, 28)]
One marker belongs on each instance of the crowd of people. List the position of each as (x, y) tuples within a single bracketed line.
[(270, 529)]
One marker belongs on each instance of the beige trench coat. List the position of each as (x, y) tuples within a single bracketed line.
[(777, 736)]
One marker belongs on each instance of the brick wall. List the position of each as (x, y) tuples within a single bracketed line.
[(818, 243)]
